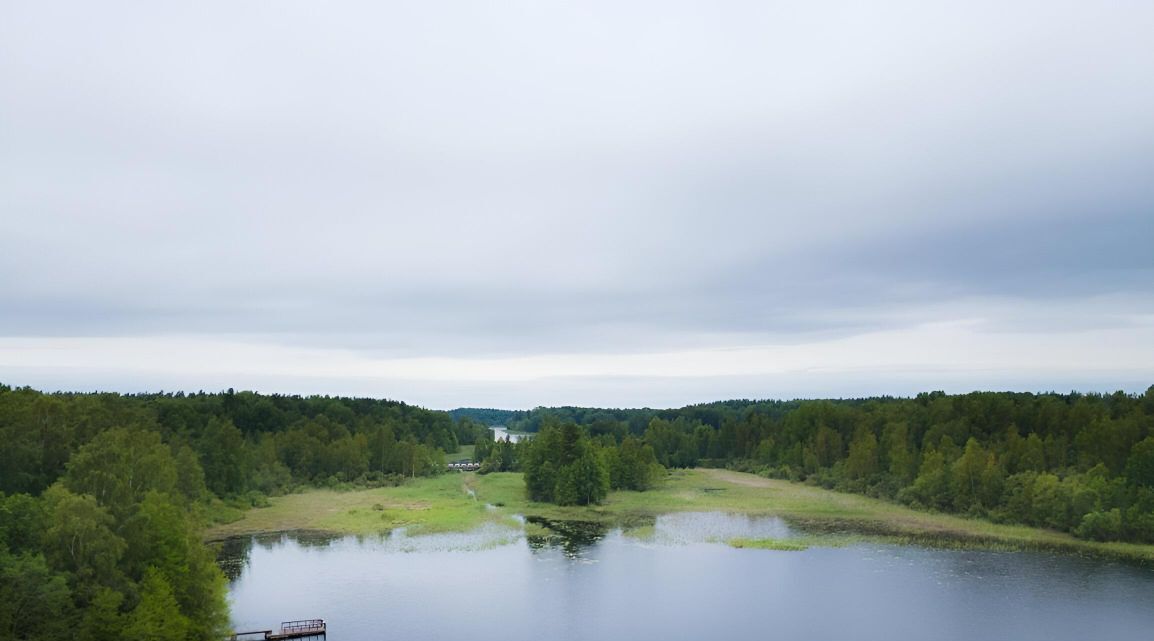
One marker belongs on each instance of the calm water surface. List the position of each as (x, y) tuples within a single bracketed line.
[(676, 583)]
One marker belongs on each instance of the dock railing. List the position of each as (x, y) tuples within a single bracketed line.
[(306, 625)]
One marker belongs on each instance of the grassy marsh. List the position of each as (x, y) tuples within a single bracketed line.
[(458, 502)]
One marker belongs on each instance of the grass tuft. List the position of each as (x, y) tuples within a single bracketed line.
[(785, 545)]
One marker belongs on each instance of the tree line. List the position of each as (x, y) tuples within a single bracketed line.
[(103, 497), (1079, 463)]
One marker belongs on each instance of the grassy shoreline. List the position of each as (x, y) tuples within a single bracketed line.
[(459, 502)]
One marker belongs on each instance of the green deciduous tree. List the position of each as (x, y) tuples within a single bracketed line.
[(932, 487), (35, 602), (223, 454), (157, 617), (22, 523), (1033, 455), (119, 466), (562, 466), (80, 539), (102, 619), (189, 474), (632, 465), (967, 476), (862, 461), (1140, 464), (162, 537), (827, 446), (540, 465), (583, 481), (901, 462)]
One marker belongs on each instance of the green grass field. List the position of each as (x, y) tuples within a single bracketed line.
[(439, 504), (458, 502)]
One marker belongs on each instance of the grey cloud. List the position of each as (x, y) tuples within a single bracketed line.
[(406, 179)]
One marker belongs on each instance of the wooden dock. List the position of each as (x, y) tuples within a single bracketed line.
[(288, 630)]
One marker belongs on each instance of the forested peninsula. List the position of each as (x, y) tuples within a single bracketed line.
[(105, 498)]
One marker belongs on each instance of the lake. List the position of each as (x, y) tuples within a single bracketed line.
[(674, 581)]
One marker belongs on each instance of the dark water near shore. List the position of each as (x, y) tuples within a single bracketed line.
[(673, 583)]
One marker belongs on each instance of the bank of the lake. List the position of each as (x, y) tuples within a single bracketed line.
[(458, 502)]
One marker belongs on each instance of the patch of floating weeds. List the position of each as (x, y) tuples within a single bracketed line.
[(784, 545), (488, 536), (645, 533)]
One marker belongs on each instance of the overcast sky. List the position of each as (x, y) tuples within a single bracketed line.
[(617, 203)]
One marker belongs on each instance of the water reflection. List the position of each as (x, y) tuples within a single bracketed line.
[(574, 537), (571, 537), (580, 581), (232, 556)]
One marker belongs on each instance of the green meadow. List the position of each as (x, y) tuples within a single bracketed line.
[(459, 502)]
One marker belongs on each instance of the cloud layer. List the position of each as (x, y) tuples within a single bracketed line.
[(600, 203)]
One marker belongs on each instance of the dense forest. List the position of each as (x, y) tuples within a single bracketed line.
[(488, 416), (103, 497), (1080, 463)]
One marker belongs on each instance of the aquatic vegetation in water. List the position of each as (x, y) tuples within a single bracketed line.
[(786, 545)]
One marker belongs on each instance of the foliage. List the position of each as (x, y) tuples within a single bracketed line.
[(35, 602), (1080, 463), (103, 497), (158, 616), (225, 444), (80, 538), (584, 481), (563, 466), (486, 416), (102, 619), (632, 465)]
